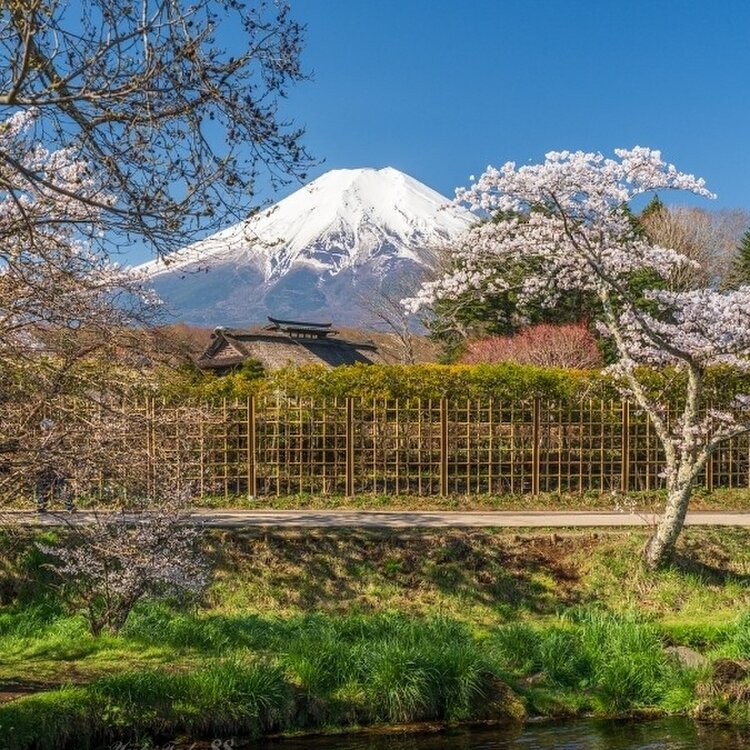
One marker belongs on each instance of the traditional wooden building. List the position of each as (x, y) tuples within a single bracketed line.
[(282, 343)]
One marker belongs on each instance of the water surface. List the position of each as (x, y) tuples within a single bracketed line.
[(662, 734)]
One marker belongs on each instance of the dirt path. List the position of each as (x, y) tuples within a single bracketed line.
[(401, 519)]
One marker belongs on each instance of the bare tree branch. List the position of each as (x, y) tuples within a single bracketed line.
[(177, 127)]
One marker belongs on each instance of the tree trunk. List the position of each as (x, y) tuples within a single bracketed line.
[(660, 547)]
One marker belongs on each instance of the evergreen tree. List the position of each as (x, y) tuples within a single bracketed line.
[(741, 269), (654, 206)]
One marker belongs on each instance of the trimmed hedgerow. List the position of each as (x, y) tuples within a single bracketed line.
[(506, 381)]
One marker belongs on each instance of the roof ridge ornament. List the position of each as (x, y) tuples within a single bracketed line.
[(301, 329)]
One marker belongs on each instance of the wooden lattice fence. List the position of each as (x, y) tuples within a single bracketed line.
[(281, 445)]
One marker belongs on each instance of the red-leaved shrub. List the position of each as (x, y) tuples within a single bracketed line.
[(544, 345)]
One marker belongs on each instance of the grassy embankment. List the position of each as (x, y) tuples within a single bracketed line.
[(310, 630), (717, 499), (653, 501)]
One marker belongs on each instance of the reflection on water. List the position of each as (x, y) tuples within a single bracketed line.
[(664, 734)]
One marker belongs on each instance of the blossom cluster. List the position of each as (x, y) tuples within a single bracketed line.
[(123, 557), (702, 326), (567, 220), (51, 204)]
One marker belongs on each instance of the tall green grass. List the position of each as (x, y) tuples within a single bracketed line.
[(220, 699), (312, 671), (248, 675), (618, 660), (65, 718), (402, 669)]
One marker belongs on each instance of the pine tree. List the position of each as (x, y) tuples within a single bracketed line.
[(741, 269), (655, 206)]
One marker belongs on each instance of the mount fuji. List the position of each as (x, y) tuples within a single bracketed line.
[(328, 251)]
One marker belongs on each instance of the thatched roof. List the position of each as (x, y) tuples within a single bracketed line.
[(283, 343)]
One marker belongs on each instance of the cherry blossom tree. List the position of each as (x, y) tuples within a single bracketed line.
[(571, 227), (109, 565), (61, 300)]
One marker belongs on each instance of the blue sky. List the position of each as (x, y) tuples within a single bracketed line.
[(441, 89)]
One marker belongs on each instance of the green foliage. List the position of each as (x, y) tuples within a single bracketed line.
[(49, 721), (503, 381), (24, 573), (517, 644), (227, 696), (620, 661), (251, 369), (741, 266), (740, 641)]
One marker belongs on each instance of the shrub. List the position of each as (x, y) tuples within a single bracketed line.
[(542, 345), (110, 565)]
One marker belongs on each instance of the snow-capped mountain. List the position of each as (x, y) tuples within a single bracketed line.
[(328, 251)]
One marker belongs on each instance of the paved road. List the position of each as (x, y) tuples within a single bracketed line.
[(402, 519)]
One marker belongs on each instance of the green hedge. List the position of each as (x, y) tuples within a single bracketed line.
[(506, 381)]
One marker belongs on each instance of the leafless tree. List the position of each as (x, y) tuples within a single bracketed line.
[(62, 303), (119, 121), (174, 106), (390, 316), (709, 238)]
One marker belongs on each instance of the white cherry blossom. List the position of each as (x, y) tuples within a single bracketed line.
[(566, 221)]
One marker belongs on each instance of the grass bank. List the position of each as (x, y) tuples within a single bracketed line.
[(650, 502), (306, 630), (647, 502)]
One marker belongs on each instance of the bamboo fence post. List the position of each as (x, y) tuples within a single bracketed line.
[(710, 460), (625, 438), (444, 446), (150, 447), (100, 471), (535, 445), (225, 447), (252, 483), (349, 446)]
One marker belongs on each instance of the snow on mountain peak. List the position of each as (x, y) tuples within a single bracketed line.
[(342, 219)]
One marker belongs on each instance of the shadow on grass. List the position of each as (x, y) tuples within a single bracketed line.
[(717, 574), (338, 570)]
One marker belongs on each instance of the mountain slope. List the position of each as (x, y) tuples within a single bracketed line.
[(326, 251)]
